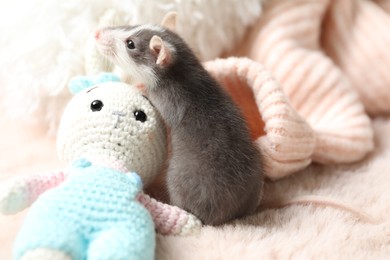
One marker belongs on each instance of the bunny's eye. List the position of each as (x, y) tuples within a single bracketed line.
[(96, 105), (140, 115), (130, 44)]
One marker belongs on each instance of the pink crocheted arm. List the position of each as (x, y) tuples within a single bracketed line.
[(19, 193), (170, 220)]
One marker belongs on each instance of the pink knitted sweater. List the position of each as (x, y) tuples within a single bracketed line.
[(317, 70)]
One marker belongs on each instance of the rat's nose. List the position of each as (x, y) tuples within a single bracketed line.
[(97, 34)]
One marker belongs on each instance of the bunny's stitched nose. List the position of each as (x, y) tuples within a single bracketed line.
[(118, 114)]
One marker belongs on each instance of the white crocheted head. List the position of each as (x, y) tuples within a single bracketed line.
[(114, 122)]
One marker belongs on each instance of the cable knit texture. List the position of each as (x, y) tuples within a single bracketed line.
[(288, 142), (288, 43), (325, 124), (319, 53)]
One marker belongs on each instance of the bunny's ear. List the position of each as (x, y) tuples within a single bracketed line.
[(106, 77), (80, 83)]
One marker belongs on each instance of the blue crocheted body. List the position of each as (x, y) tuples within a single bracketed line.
[(94, 214)]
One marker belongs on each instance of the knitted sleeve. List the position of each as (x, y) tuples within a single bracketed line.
[(19, 193)]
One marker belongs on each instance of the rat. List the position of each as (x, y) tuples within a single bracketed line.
[(216, 170)]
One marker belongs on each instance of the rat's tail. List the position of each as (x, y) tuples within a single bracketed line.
[(319, 201)]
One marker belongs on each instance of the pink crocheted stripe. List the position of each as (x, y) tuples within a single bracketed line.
[(34, 186), (20, 193), (169, 220)]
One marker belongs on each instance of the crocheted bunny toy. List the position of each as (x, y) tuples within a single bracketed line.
[(114, 140)]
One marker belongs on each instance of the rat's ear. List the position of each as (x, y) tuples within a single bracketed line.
[(169, 21), (160, 50)]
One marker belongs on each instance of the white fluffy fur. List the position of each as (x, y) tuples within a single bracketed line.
[(112, 44), (43, 42)]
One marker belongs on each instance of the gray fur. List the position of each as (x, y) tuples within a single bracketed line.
[(216, 170)]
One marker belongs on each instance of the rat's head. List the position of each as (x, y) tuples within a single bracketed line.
[(140, 50), (113, 123)]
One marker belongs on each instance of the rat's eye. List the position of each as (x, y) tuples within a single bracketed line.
[(140, 115), (96, 105), (130, 44)]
